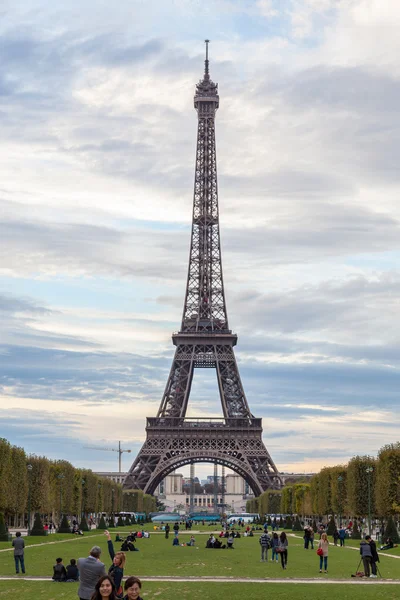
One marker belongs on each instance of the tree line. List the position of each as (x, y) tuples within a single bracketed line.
[(365, 485), (55, 487)]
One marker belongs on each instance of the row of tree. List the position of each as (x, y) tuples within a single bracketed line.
[(365, 485), (39, 485)]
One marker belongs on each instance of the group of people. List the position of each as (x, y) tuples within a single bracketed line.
[(215, 543), (277, 543)]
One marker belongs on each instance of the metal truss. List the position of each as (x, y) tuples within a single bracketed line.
[(204, 341)]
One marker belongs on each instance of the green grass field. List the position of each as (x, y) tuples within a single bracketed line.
[(157, 557)]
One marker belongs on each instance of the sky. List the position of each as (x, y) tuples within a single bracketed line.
[(98, 135)]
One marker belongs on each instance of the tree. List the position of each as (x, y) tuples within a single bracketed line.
[(4, 535), (387, 488), (37, 528), (64, 526), (330, 530), (83, 526), (102, 524), (391, 531), (357, 485), (356, 533), (120, 521), (288, 523), (297, 526)]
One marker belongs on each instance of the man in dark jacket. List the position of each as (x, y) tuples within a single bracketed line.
[(375, 555), (19, 545), (366, 555), (59, 571), (265, 543), (167, 530)]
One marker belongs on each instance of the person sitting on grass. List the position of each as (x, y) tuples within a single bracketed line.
[(133, 586), (104, 589), (175, 541), (192, 541), (59, 572), (388, 546), (229, 541), (116, 571), (72, 571)]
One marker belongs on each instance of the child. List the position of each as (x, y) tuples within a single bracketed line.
[(59, 572), (72, 571)]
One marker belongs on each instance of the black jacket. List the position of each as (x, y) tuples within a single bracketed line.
[(72, 572), (59, 573), (375, 555), (116, 573)]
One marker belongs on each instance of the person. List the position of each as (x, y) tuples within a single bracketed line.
[(275, 546), (265, 543), (104, 589), (59, 571), (323, 544), (19, 545), (90, 569), (312, 538), (229, 541), (167, 530), (133, 586), (389, 544), (366, 555), (192, 541), (175, 541), (176, 528), (306, 537), (342, 536), (116, 571), (72, 571), (282, 549), (335, 536), (375, 555)]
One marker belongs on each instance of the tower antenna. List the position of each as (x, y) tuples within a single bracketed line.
[(206, 70)]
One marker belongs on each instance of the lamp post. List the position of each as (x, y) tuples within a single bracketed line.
[(112, 506), (369, 471), (82, 503), (340, 479), (29, 468), (60, 478)]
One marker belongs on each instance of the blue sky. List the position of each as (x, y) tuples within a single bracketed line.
[(98, 136)]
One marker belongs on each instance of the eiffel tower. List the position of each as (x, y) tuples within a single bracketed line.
[(204, 341)]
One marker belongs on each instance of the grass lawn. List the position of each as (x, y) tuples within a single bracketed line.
[(157, 556), (201, 591)]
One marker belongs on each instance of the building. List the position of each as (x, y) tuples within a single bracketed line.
[(116, 477)]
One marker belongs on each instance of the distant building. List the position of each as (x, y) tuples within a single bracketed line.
[(116, 477)]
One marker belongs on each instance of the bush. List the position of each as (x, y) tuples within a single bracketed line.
[(356, 533), (111, 522), (269, 522), (4, 535), (391, 531), (83, 526), (102, 524), (37, 528), (314, 526), (297, 526), (288, 523), (280, 522), (330, 530), (120, 521), (64, 526), (127, 520)]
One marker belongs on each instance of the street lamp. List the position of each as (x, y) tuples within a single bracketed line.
[(82, 503), (112, 506), (340, 479), (60, 478), (29, 468), (368, 471)]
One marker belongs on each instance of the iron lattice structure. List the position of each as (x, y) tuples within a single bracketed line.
[(204, 341)]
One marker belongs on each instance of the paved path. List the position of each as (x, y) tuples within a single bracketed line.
[(317, 581)]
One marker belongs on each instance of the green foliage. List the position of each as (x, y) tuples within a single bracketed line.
[(37, 528), (102, 523), (4, 535), (356, 533), (297, 526), (330, 530), (111, 522), (127, 520), (287, 500), (64, 526), (83, 526), (269, 521), (357, 484), (387, 487), (120, 522), (288, 522), (391, 531), (302, 499), (314, 525)]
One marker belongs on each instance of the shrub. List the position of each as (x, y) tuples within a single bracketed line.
[(64, 526), (330, 530), (102, 523), (391, 531), (356, 533), (288, 523), (111, 522), (4, 535), (269, 522), (127, 520), (120, 522), (297, 526), (83, 526), (37, 528)]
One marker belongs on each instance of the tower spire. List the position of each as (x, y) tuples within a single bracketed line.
[(206, 62)]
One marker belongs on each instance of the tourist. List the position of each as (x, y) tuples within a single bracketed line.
[(229, 542), (275, 546), (388, 546), (375, 556), (312, 538), (366, 555), (116, 571), (192, 541), (342, 536), (283, 549), (167, 530), (59, 571), (90, 569), (306, 537), (104, 589), (176, 528), (133, 586), (335, 536), (19, 545), (265, 543), (72, 571), (175, 541), (323, 548)]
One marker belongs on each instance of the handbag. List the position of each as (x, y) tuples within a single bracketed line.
[(320, 552)]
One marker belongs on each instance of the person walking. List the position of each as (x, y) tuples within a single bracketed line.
[(104, 589), (366, 555), (19, 558), (283, 549), (335, 536), (275, 546), (265, 543), (176, 528), (323, 548), (90, 570), (375, 555), (342, 535), (116, 571), (167, 530), (306, 537)]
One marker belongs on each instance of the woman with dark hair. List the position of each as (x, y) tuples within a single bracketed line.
[(105, 589), (133, 586), (282, 549), (116, 571)]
